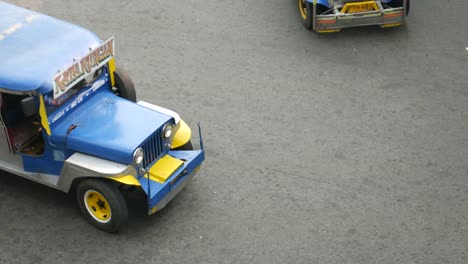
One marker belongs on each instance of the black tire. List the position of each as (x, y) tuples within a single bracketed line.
[(306, 11), (124, 86), (112, 213), (186, 146)]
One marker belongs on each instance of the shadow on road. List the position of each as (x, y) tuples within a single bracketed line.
[(15, 189)]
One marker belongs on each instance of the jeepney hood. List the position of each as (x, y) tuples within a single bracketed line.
[(108, 127)]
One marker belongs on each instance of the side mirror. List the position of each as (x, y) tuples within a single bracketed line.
[(29, 106)]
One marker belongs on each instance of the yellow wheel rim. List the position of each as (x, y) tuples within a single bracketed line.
[(303, 9), (97, 206)]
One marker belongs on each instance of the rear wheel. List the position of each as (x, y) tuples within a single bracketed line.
[(124, 86), (306, 10), (102, 204)]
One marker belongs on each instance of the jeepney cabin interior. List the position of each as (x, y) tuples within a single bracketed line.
[(24, 131)]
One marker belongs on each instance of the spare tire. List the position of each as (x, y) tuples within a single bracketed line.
[(124, 86)]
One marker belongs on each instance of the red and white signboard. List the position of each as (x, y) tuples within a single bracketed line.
[(80, 69)]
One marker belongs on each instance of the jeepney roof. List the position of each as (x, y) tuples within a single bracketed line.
[(34, 47)]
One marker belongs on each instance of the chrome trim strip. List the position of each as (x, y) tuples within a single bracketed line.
[(46, 179), (81, 165)]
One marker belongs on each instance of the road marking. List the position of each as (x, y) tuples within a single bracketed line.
[(466, 48)]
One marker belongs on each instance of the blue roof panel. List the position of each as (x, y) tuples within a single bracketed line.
[(33, 47)]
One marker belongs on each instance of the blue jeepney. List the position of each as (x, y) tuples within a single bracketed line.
[(326, 16), (69, 120)]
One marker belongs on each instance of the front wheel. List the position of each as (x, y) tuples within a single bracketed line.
[(102, 204)]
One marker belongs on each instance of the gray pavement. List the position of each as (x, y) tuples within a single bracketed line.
[(342, 148)]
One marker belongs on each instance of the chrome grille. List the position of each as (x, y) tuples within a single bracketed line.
[(153, 148)]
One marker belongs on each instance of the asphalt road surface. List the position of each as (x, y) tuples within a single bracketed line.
[(339, 148)]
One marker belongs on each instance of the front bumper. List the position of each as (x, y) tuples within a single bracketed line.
[(385, 18), (159, 194)]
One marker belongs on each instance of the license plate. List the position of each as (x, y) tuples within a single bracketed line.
[(360, 7)]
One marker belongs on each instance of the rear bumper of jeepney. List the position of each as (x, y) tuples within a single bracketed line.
[(385, 18)]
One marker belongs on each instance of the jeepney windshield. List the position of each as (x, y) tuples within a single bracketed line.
[(53, 104)]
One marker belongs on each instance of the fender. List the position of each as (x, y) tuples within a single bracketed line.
[(327, 3), (182, 135), (161, 110), (81, 165)]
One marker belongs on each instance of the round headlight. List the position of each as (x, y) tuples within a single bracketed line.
[(138, 156), (167, 131)]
